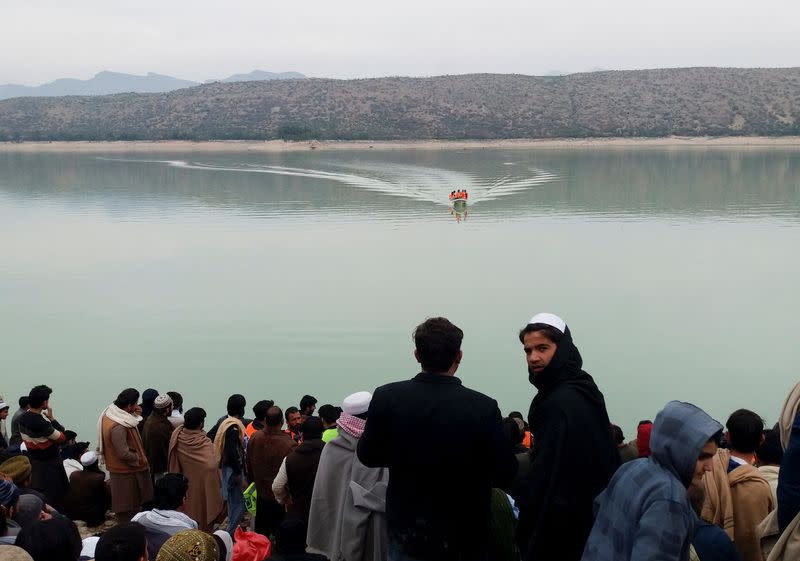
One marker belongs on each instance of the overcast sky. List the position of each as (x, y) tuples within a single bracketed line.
[(43, 40)]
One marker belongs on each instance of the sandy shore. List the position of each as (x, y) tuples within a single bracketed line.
[(336, 145)]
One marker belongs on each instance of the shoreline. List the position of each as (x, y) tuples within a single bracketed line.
[(276, 146)]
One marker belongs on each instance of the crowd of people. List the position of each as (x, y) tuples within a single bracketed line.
[(422, 469)]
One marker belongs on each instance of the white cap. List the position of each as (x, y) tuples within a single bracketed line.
[(23, 447), (88, 458), (357, 403), (88, 546), (162, 401), (3, 405), (228, 541), (550, 319)]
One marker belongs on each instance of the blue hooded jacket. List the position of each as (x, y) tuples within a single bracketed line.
[(644, 514)]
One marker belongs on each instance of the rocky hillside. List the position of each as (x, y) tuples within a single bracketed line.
[(691, 101)]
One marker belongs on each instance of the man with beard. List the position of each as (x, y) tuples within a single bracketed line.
[(574, 455)]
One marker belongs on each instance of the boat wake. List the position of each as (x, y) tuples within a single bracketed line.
[(414, 182)]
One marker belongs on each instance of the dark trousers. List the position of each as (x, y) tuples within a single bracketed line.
[(269, 515)]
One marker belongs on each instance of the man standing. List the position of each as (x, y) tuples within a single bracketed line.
[(329, 415), (347, 520), (42, 434), (15, 438), (229, 453), (645, 511), (294, 483), (120, 445), (156, 435), (4, 408), (294, 424), (439, 495), (308, 404), (265, 454), (574, 455), (738, 497), (192, 454)]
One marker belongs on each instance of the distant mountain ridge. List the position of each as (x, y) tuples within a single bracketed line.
[(105, 83), (651, 103)]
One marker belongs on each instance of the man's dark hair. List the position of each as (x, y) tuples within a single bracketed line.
[(24, 401), (312, 428), (547, 330), (770, 452), (438, 342), (260, 409), (236, 404), (177, 401), (123, 542), (170, 491), (307, 401), (56, 539), (616, 432), (644, 422), (193, 418), (127, 397), (38, 396), (329, 413), (745, 429), (274, 416), (511, 431), (289, 411)]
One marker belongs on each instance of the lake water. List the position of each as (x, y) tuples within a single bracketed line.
[(276, 275)]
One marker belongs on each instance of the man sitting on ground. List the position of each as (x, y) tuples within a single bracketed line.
[(167, 518), (89, 496), (124, 542)]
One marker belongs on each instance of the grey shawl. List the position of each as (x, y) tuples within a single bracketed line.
[(347, 519)]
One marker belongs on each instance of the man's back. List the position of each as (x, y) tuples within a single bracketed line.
[(265, 454), (444, 447)]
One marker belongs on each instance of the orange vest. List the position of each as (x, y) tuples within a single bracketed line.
[(250, 430), (113, 462)]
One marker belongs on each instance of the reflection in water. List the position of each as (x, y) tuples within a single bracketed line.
[(602, 184)]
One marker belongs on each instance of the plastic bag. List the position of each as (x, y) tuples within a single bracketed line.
[(250, 546)]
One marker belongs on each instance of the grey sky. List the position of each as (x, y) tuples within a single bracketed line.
[(46, 39)]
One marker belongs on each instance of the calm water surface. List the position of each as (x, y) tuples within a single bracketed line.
[(276, 275)]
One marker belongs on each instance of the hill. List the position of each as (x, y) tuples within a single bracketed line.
[(690, 101), (104, 83)]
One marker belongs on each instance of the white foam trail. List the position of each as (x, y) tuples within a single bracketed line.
[(414, 182)]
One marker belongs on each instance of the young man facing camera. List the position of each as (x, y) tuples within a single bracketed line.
[(574, 455)]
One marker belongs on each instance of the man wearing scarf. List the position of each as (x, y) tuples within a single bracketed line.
[(192, 454), (120, 446), (574, 455), (347, 516)]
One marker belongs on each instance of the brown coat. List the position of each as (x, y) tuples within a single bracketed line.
[(122, 448), (88, 498), (737, 502), (752, 502), (265, 454), (156, 435), (192, 454)]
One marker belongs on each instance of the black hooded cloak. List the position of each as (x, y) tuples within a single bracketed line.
[(572, 461)]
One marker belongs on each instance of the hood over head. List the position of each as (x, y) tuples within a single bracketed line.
[(679, 433)]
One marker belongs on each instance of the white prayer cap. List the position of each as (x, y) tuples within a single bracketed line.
[(228, 541), (3, 405), (357, 403), (88, 546), (550, 319), (23, 447), (88, 458), (162, 401)]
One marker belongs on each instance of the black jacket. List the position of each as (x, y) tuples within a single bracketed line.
[(445, 450), (573, 458), (301, 471)]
